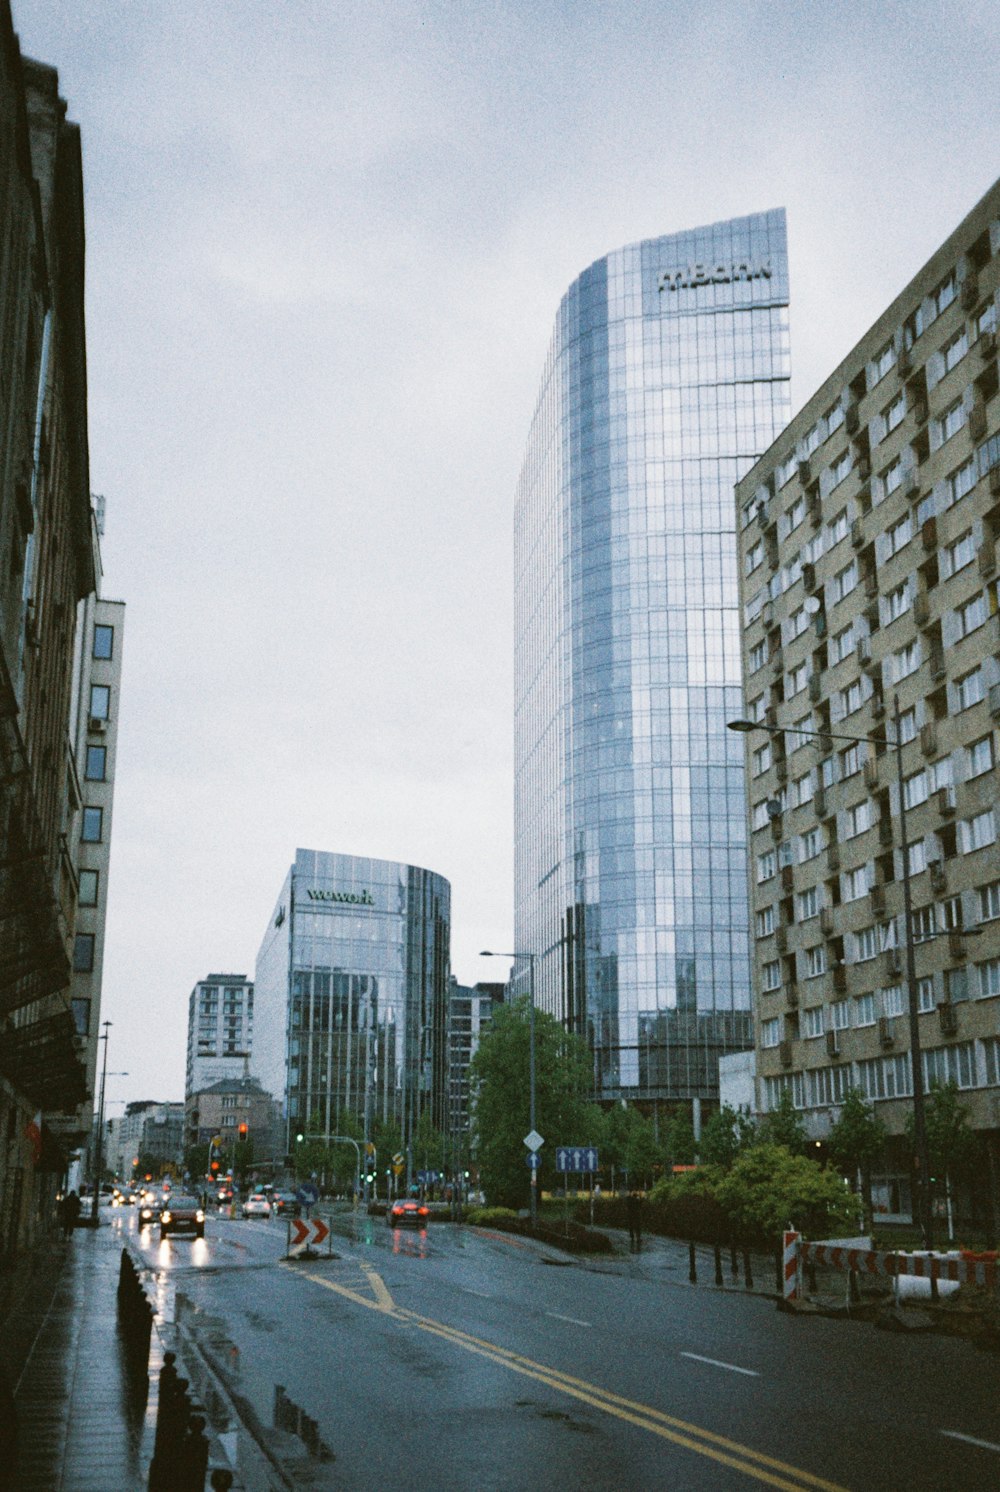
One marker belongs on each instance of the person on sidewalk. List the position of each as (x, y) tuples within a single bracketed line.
[(70, 1210), (633, 1209)]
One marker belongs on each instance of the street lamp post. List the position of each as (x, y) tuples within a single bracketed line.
[(486, 953), (100, 1132), (916, 1062)]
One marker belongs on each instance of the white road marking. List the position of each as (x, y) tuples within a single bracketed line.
[(483, 1294), (573, 1321), (713, 1362), (986, 1445)]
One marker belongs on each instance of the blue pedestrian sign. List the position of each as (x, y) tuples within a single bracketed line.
[(577, 1158)]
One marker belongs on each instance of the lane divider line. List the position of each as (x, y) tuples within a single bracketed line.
[(764, 1468), (986, 1445), (573, 1321), (714, 1362)]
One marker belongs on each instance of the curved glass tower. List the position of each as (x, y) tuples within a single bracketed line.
[(666, 377), (351, 993)]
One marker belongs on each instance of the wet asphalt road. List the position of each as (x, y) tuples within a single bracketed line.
[(457, 1359)]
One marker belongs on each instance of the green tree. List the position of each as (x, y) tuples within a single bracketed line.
[(856, 1142), (783, 1126), (681, 1145), (725, 1136), (952, 1145), (769, 1188), (500, 1099)]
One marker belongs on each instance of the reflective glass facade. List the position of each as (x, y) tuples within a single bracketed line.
[(351, 992), (666, 377)]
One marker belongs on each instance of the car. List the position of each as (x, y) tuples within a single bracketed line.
[(407, 1210), (182, 1213), (256, 1205), (285, 1204), (150, 1207), (224, 1196)]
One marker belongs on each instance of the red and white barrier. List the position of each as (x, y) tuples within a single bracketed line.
[(966, 1271), (792, 1245)]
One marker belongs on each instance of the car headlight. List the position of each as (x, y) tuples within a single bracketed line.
[(165, 1217), (199, 1216)]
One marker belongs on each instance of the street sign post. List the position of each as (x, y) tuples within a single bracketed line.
[(577, 1158), (302, 1234), (533, 1140)]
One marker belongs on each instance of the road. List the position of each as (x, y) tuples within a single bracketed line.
[(460, 1359)]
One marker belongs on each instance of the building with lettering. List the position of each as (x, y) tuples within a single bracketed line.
[(351, 994), (868, 562), (666, 377)]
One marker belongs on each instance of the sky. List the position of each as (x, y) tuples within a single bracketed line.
[(326, 244)]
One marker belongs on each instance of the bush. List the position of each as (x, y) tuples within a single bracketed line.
[(688, 1207), (573, 1237)]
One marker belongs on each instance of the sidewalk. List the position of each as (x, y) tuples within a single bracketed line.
[(83, 1426)]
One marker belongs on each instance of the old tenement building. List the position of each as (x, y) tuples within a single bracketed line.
[(868, 561)]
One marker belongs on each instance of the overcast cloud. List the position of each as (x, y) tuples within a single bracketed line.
[(326, 245)]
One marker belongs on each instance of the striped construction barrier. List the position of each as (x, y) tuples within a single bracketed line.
[(969, 1270), (792, 1244)]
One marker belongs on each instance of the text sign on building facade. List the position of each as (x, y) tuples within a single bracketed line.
[(693, 275)]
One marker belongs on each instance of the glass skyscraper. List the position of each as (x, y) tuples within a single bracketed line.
[(351, 993), (667, 376)]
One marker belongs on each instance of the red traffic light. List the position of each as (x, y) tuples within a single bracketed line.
[(243, 1131), (214, 1166)]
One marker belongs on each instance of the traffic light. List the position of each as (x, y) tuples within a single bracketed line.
[(214, 1167), (244, 1130), (299, 1139)]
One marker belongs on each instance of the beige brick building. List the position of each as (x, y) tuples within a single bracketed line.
[(868, 570)]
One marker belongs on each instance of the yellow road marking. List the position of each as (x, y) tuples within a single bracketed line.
[(763, 1468)]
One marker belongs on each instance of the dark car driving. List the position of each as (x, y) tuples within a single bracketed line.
[(182, 1213), (406, 1210)]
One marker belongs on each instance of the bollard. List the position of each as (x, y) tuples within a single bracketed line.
[(718, 1264), (779, 1269), (747, 1270), (734, 1263), (692, 1266)]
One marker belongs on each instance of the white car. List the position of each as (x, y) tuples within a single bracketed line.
[(256, 1205)]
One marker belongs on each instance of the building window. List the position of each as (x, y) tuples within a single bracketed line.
[(950, 422), (81, 1016), (907, 725), (798, 678), (812, 1022), (89, 882), (100, 701), (797, 623), (809, 845), (808, 904), (892, 476), (766, 866), (989, 901), (954, 351), (865, 945), (991, 1048), (771, 975), (754, 557), (925, 994), (840, 469), (864, 1010), (857, 819), (758, 656), (961, 482), (765, 922), (851, 698), (92, 829), (844, 581), (840, 1015), (761, 759), (770, 1032), (978, 832), (882, 362), (943, 295), (989, 978), (979, 757), (969, 689), (856, 883), (802, 789), (83, 953), (917, 857), (897, 603), (96, 765), (104, 641), (893, 1001), (915, 789), (961, 553), (894, 413), (906, 661), (842, 645), (834, 418), (951, 1064), (836, 529), (922, 924), (972, 615), (815, 962), (850, 761), (900, 534)]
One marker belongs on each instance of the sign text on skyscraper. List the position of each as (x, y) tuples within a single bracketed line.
[(714, 274)]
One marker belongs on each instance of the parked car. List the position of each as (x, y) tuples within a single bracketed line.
[(407, 1210), (182, 1213), (256, 1205)]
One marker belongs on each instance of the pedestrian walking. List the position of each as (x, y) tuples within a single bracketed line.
[(70, 1210), (633, 1207)]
